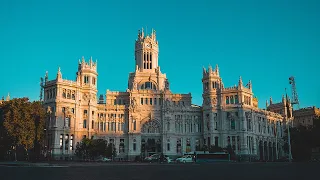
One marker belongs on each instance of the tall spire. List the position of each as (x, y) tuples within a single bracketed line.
[(8, 97), (240, 82), (142, 33), (59, 75), (217, 69)]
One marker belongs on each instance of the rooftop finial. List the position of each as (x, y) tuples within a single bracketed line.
[(240, 81), (59, 76), (8, 97), (142, 32), (217, 69)]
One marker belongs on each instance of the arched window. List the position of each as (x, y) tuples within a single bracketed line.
[(148, 85), (227, 99)]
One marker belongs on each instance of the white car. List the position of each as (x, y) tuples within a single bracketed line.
[(103, 159), (184, 159)]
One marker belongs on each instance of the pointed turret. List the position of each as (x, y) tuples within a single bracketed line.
[(250, 85), (46, 77), (8, 97), (266, 104), (210, 69), (59, 75), (240, 84), (270, 100), (217, 69)]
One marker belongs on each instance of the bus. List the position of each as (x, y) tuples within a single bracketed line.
[(212, 157)]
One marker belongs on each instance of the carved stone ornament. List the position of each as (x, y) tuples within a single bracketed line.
[(85, 96), (214, 100)]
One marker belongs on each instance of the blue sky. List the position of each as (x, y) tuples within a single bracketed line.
[(263, 41)]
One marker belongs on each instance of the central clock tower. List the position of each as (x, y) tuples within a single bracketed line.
[(146, 52)]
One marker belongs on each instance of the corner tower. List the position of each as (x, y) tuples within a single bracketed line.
[(146, 52), (212, 85)]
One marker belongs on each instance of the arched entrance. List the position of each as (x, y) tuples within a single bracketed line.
[(150, 138)]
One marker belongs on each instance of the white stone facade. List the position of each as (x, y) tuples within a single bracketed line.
[(149, 118)]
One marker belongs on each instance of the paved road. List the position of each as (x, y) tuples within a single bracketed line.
[(97, 171)]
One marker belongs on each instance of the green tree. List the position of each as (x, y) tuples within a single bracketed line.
[(303, 139), (22, 123), (92, 148)]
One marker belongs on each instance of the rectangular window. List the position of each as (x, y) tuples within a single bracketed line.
[(71, 142), (93, 81), (134, 125), (134, 146), (155, 101), (61, 140), (146, 100), (92, 125), (150, 101), (114, 102), (84, 123), (236, 99), (168, 146), (141, 101)]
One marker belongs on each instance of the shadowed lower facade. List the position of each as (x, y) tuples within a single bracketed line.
[(149, 118)]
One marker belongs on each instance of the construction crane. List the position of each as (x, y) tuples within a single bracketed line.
[(295, 99)]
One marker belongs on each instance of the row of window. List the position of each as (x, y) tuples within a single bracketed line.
[(247, 100), (233, 99), (214, 85), (87, 79), (105, 126), (150, 101), (147, 60), (68, 94), (66, 141), (50, 93), (185, 127)]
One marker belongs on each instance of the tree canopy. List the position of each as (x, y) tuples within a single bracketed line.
[(303, 139), (92, 148), (21, 123)]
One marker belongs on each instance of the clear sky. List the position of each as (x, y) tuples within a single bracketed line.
[(265, 41)]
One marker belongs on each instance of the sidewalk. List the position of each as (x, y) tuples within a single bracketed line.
[(22, 163)]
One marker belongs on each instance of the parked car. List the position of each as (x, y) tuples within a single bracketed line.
[(103, 159), (185, 159), (156, 158), (168, 159), (152, 158)]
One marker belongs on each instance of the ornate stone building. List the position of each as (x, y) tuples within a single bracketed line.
[(149, 118), (7, 99), (306, 116)]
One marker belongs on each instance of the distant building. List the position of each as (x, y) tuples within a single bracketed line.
[(149, 118), (306, 116), (7, 99)]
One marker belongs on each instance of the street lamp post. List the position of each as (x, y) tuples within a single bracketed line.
[(289, 143)]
